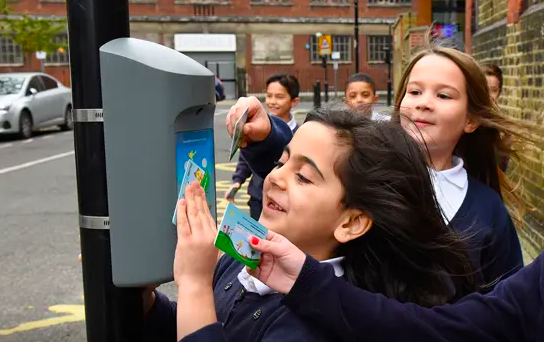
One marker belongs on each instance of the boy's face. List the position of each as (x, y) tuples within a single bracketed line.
[(360, 94), (278, 101), (494, 87)]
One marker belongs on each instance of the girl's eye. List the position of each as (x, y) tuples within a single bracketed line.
[(444, 96), (414, 92), (303, 179)]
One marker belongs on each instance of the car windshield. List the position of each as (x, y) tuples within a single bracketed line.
[(10, 85)]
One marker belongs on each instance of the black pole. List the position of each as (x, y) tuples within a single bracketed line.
[(112, 314), (389, 62), (326, 82), (356, 34)]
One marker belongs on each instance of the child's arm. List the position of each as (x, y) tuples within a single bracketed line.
[(242, 172), (510, 313), (501, 255), (262, 156), (160, 321)]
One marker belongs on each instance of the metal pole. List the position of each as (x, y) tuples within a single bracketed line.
[(389, 62), (111, 313), (356, 34), (326, 85), (335, 79)]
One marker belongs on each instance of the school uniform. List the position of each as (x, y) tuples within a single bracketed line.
[(512, 312), (479, 214), (471, 208), (246, 309), (255, 186)]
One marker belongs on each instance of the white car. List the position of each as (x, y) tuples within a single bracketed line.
[(33, 100)]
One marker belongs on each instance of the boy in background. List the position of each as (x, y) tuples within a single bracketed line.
[(361, 95), (282, 95)]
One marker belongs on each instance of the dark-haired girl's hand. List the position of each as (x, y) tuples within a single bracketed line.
[(280, 264), (257, 126), (196, 255)]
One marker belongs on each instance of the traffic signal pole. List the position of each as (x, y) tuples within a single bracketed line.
[(112, 314)]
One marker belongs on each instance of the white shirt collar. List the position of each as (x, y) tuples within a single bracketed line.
[(457, 175), (376, 116), (450, 187), (252, 284), (292, 123)]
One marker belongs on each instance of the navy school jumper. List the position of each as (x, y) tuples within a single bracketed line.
[(242, 316), (512, 312)]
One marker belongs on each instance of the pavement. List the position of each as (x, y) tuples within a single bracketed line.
[(40, 276)]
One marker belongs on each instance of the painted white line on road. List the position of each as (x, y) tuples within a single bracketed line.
[(223, 112), (27, 141), (35, 162), (46, 137), (5, 145)]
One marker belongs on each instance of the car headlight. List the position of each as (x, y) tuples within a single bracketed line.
[(4, 107)]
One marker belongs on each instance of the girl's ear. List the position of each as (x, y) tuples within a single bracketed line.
[(355, 225), (471, 125)]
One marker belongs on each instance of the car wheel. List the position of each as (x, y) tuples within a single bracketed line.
[(68, 122), (25, 125)]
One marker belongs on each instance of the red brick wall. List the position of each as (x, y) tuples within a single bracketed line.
[(257, 74), (307, 72), (299, 8)]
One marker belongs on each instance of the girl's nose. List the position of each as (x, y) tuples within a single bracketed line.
[(424, 103), (277, 177)]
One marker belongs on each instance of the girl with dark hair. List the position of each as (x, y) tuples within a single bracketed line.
[(349, 191)]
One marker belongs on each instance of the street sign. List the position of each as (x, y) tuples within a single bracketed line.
[(324, 45), (41, 55), (335, 55)]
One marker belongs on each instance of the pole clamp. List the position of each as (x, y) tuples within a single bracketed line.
[(88, 115), (94, 222)]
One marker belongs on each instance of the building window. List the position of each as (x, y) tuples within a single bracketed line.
[(10, 53), (340, 44), (330, 2), (270, 2), (376, 45), (389, 2), (61, 56), (272, 49)]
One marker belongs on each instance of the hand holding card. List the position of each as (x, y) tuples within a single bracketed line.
[(234, 233), (238, 133)]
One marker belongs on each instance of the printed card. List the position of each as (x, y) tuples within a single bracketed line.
[(233, 236), (238, 133), (193, 172)]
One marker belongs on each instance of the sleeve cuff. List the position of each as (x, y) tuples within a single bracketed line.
[(301, 290)]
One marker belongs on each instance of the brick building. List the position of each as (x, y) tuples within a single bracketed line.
[(510, 33), (259, 37)]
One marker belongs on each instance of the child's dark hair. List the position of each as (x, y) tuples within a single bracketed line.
[(289, 82), (495, 71), (409, 253), (360, 77)]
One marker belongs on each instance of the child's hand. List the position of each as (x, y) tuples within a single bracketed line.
[(196, 255), (280, 264), (229, 197), (257, 126)]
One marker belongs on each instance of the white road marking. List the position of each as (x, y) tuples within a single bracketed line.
[(5, 145), (35, 162), (27, 141), (223, 112)]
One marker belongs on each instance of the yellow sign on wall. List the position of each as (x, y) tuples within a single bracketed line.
[(324, 45)]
